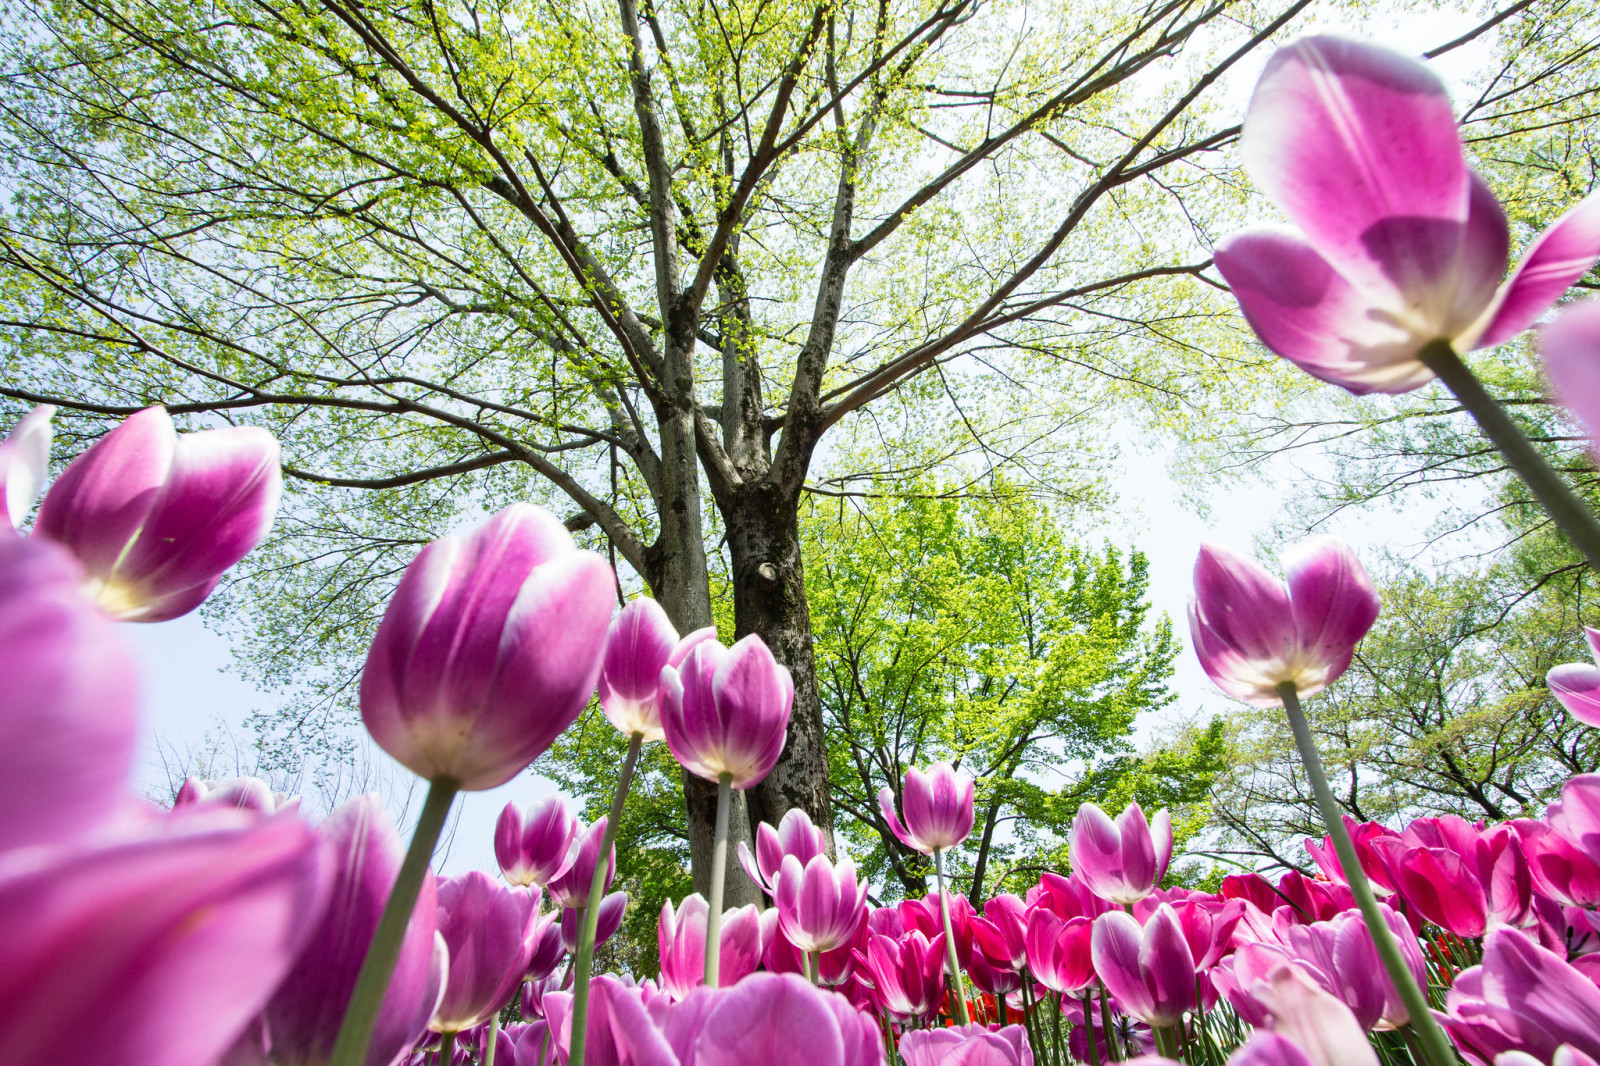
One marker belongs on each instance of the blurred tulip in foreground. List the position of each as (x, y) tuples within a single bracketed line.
[(1522, 997), (967, 1045)]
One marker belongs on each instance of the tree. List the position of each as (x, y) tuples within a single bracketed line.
[(969, 629), (1444, 710), (636, 254)]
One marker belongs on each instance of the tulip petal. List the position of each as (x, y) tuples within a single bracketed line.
[(24, 461), (1571, 349), (773, 1019), (1577, 687), (1314, 1020), (1558, 257), (1334, 603), (101, 500), (1115, 945), (1358, 145)]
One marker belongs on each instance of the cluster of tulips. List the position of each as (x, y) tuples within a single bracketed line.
[(229, 930)]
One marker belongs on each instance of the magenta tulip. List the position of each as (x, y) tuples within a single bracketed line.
[(1524, 998), (1058, 951), (725, 711), (178, 938), (1071, 897), (937, 806), (1001, 934), (1149, 970), (487, 928), (488, 651), (612, 909), (1253, 633), (1571, 348), (681, 939), (68, 721), (1577, 685), (156, 518), (302, 1018), (925, 914), (570, 887), (1400, 244), (548, 948), (966, 1045), (1315, 1022), (639, 644), (1340, 957), (795, 836), (24, 462), (1121, 861), (906, 975), (820, 904), (531, 846)]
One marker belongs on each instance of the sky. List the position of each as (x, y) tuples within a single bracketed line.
[(189, 690)]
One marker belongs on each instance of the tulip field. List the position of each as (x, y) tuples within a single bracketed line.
[(234, 929)]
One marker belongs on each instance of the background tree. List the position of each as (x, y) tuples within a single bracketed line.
[(969, 629), (617, 256)]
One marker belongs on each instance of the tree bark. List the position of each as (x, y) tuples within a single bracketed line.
[(769, 599)]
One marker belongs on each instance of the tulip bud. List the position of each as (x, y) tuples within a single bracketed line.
[(681, 940), (937, 807), (488, 651), (156, 518), (726, 711), (907, 975), (795, 836), (531, 846), (1150, 971), (243, 793), (612, 908), (1121, 861), (638, 646)]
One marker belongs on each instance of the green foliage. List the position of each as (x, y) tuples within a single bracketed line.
[(968, 629)]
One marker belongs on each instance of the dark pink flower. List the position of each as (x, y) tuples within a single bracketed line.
[(1522, 998), (681, 940), (1058, 952), (487, 928), (726, 710), (1150, 971), (906, 975), (819, 905), (967, 1045), (532, 846)]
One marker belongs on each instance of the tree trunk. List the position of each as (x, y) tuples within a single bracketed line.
[(678, 577), (769, 599)]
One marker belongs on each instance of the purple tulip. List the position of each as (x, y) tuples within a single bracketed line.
[(570, 887), (1522, 998), (1149, 970), (1340, 957), (639, 644), (725, 711), (995, 980), (243, 793), (1252, 633), (781, 1020), (1314, 1021), (302, 1018), (178, 939), (819, 905), (488, 651), (834, 968), (906, 975), (548, 946), (531, 846), (68, 722), (925, 914), (487, 928), (612, 908), (156, 518), (937, 806), (24, 462), (795, 836), (1121, 861), (966, 1045), (1058, 951), (1577, 685), (1399, 243), (681, 938)]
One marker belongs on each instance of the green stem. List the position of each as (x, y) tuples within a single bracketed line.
[(1553, 493), (372, 982), (1166, 1041), (719, 873), (816, 967), (1088, 1029), (958, 992), (1435, 1045), (1112, 1051), (447, 1048), (591, 913), (1055, 1025), (494, 1032)]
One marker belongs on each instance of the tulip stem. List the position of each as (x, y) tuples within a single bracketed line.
[(494, 1033), (372, 981), (1553, 493), (719, 872), (1112, 1051), (591, 913), (958, 992), (1088, 1029), (1166, 1041), (1055, 1027), (447, 1048), (1436, 1047)]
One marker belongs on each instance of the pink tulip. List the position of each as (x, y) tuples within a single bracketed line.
[(819, 905), (1488, 882), (488, 651), (926, 915), (906, 975), (244, 793), (1367, 838), (1252, 633), (548, 948), (1399, 242), (24, 462), (1313, 1020), (638, 645), (487, 928), (795, 836), (681, 938), (1149, 970), (68, 724), (156, 518), (1340, 957), (1571, 349), (178, 939), (531, 846), (995, 980), (1522, 998), (937, 806), (1001, 933), (612, 909), (966, 1045), (834, 968), (302, 1019), (1071, 897), (1121, 861), (725, 711), (570, 887), (1058, 952)]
